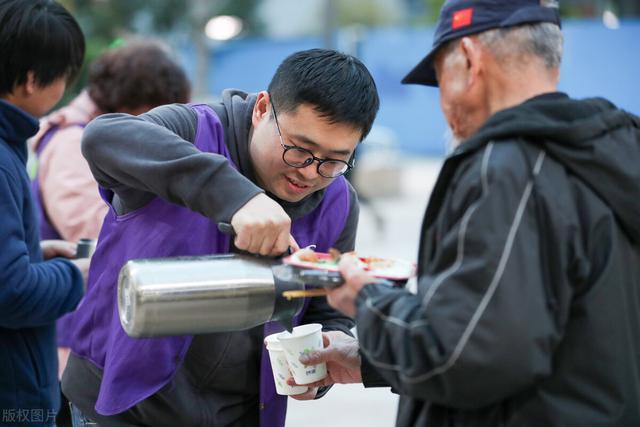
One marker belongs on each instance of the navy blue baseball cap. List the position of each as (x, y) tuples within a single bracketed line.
[(459, 18)]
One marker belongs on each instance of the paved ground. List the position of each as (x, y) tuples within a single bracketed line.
[(352, 405)]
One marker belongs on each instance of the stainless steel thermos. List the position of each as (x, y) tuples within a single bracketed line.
[(204, 294)]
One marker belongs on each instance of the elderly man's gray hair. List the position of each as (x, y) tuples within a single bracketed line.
[(543, 40)]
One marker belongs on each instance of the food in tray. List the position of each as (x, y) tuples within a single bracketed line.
[(307, 255), (390, 268)]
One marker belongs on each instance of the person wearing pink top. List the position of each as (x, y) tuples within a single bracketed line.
[(131, 79), (67, 190)]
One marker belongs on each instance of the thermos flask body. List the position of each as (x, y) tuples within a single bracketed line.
[(196, 295)]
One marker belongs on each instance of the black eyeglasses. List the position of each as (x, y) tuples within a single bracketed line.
[(299, 157)]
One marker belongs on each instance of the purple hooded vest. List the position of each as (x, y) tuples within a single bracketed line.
[(134, 369)]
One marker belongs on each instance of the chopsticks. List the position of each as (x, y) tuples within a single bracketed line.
[(318, 292)]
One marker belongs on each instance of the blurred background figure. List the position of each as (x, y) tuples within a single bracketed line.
[(131, 79)]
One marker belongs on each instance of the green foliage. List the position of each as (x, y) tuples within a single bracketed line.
[(431, 12), (380, 13), (95, 47), (104, 21), (362, 12), (245, 9), (107, 21), (107, 18)]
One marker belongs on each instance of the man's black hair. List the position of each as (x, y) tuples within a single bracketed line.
[(38, 36), (338, 86)]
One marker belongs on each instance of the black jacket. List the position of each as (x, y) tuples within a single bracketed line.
[(528, 305)]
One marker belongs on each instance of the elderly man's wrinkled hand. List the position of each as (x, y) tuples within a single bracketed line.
[(341, 355), (310, 394)]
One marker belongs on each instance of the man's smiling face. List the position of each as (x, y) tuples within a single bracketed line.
[(305, 128)]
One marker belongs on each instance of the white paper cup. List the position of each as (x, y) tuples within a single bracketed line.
[(304, 339), (280, 367)]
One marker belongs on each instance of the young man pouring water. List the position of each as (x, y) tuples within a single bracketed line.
[(269, 163)]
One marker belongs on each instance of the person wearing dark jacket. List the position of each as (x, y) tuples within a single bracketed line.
[(41, 47), (271, 164), (528, 304)]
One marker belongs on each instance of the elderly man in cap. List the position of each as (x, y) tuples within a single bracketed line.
[(528, 304)]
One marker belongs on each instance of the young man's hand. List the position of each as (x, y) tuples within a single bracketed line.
[(263, 227), (57, 248), (341, 355)]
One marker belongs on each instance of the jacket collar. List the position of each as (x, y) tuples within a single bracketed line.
[(487, 131), (16, 126)]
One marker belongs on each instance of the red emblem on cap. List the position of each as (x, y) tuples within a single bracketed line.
[(462, 18)]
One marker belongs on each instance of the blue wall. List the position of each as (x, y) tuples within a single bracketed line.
[(597, 62)]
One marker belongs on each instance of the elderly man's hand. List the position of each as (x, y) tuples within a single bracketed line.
[(310, 394), (343, 298), (340, 353)]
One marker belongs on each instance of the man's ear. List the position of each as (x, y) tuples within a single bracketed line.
[(261, 109), (26, 89), (30, 85), (472, 52)]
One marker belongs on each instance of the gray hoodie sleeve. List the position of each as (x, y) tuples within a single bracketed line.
[(153, 154)]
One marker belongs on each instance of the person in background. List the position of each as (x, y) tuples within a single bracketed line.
[(528, 303), (42, 48), (270, 164), (131, 79)]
